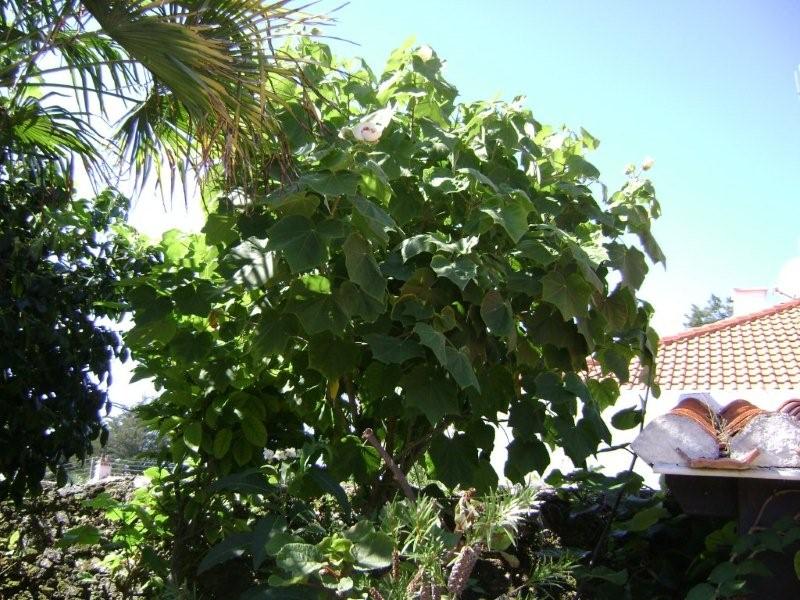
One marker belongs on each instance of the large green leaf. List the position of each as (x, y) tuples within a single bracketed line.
[(373, 551), (627, 418), (283, 592), (512, 214), (332, 184), (376, 221), (392, 350), (426, 390), (454, 459), (569, 293), (435, 340), (460, 271), (331, 356), (460, 367), (524, 457), (361, 266), (455, 361), (222, 442), (497, 314), (297, 238), (251, 481), (254, 431), (299, 560), (630, 262), (319, 314), (193, 435), (269, 536), (233, 546)]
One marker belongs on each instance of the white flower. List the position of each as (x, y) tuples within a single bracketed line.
[(268, 454), (629, 169), (371, 127), (648, 163)]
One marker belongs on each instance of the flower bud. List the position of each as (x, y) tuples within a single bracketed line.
[(648, 163)]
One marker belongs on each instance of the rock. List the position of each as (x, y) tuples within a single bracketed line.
[(776, 435), (658, 442)]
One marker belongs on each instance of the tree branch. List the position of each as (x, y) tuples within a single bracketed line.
[(399, 476)]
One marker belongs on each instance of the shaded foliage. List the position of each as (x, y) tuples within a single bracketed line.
[(60, 265)]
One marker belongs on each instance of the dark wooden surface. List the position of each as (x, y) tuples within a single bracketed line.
[(758, 502)]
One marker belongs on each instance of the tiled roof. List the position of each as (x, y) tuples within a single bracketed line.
[(756, 351)]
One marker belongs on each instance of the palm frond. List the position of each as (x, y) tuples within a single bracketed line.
[(196, 77)]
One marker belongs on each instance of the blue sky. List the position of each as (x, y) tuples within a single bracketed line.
[(706, 88)]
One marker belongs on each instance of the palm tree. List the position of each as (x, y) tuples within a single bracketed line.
[(195, 80)]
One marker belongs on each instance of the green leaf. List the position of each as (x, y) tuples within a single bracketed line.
[(268, 537), (376, 220), (497, 314), (272, 334), (300, 560), (254, 431), (723, 573), (284, 592), (332, 184), (616, 360), (796, 563), (644, 519), (577, 445), (320, 314), (322, 477), (332, 356), (392, 350), (512, 214), (460, 367), (233, 546), (373, 551), (354, 302), (570, 294), (192, 300), (434, 340), (222, 442), (454, 459), (251, 481), (425, 389), (254, 264), (627, 418), (618, 578), (455, 361), (361, 266), (297, 237), (541, 254), (417, 244), (526, 418), (191, 347), (526, 456), (460, 271), (630, 263), (83, 535), (193, 435), (219, 229), (702, 591)]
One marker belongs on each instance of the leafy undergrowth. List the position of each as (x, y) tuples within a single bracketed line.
[(58, 546), (50, 547)]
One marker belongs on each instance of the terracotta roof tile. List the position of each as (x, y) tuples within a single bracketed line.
[(756, 351)]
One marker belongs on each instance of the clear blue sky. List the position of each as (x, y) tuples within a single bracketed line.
[(705, 87)]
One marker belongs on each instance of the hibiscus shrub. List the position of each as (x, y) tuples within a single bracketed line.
[(418, 268)]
